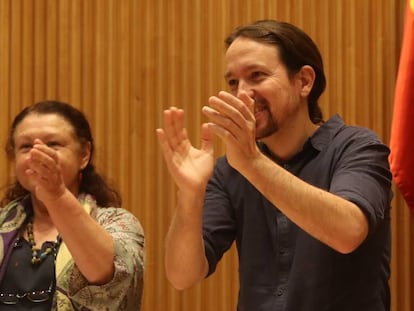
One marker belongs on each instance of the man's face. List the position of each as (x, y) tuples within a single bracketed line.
[(255, 68)]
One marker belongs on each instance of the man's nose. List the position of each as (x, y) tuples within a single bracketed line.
[(245, 87)]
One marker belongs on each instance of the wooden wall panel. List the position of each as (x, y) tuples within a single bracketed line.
[(124, 61)]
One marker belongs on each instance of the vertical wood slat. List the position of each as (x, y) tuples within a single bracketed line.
[(51, 45), (63, 49), (5, 47), (125, 61), (39, 52), (15, 75), (27, 58), (75, 60)]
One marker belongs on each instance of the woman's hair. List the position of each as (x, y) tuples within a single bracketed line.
[(296, 49), (91, 182)]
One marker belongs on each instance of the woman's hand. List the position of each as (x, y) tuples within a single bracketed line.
[(44, 170)]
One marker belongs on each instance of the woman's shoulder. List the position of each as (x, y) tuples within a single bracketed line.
[(17, 205), (110, 216), (118, 217)]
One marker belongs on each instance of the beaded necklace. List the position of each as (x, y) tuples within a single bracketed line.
[(37, 256)]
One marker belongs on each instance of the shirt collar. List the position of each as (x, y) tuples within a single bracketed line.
[(318, 141), (325, 133)]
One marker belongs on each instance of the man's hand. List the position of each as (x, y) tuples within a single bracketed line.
[(232, 119), (191, 168)]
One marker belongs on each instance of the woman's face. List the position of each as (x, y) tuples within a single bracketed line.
[(57, 134)]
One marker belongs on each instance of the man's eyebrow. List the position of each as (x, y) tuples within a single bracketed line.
[(228, 74)]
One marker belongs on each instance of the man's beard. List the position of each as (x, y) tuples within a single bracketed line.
[(270, 125), (269, 130)]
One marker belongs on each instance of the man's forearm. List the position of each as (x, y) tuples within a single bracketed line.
[(185, 260)]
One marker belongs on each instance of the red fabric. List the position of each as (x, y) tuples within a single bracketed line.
[(402, 131)]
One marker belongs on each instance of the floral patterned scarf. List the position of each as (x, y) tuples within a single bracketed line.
[(12, 218)]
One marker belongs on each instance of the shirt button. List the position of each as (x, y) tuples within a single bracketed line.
[(282, 250), (279, 292)]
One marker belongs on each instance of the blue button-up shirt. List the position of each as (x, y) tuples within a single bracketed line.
[(283, 268)]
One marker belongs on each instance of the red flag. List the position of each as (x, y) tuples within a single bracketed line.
[(402, 131)]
